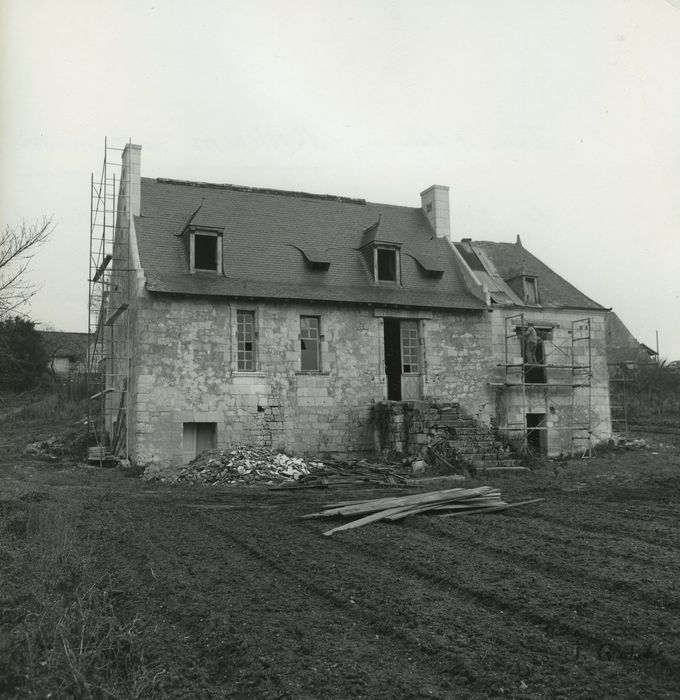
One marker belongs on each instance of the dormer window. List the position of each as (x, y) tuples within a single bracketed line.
[(530, 290), (381, 255), (386, 264), (206, 251)]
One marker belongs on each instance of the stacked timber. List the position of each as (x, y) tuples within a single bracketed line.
[(447, 503)]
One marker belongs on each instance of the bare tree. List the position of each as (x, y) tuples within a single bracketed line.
[(17, 247)]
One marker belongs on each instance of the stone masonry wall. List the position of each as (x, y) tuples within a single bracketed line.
[(185, 370)]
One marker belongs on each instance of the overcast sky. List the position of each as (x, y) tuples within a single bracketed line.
[(558, 120)]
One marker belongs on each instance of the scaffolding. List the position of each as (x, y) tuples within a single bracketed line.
[(624, 384), (562, 377), (108, 363)]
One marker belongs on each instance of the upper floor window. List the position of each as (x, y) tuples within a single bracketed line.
[(386, 265), (310, 343), (206, 252), (245, 341), (531, 290)]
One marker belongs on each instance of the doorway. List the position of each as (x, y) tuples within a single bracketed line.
[(536, 433), (402, 360)]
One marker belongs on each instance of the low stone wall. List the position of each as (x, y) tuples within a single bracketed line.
[(407, 427)]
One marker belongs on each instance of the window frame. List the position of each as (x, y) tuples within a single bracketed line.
[(410, 349), (530, 286), (218, 251), (242, 367), (397, 264), (319, 340)]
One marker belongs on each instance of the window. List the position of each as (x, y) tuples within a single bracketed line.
[(531, 290), (310, 344), (409, 347), (245, 341), (387, 265), (206, 253)]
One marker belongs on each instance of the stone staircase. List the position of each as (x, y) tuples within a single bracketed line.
[(467, 442), (441, 432)]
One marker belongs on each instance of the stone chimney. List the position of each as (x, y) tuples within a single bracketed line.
[(131, 177), (435, 203)]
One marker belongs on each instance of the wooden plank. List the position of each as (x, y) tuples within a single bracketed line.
[(100, 270), (374, 517), (473, 504), (101, 393), (413, 500), (116, 314), (494, 508)]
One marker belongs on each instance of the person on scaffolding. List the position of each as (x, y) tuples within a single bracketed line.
[(530, 340)]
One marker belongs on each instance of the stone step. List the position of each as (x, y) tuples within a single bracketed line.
[(457, 431), (509, 464), (479, 456), (456, 423)]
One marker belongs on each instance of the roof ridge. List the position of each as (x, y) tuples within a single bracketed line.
[(260, 190)]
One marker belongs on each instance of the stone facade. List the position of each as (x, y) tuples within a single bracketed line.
[(184, 370)]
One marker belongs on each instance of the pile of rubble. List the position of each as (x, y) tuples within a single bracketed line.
[(630, 443), (47, 450), (242, 464)]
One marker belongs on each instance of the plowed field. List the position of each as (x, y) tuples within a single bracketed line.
[(232, 595)]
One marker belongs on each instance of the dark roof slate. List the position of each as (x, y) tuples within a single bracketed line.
[(264, 232), (511, 260), (622, 347)]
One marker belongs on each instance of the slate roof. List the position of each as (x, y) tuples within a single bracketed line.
[(622, 347), (512, 260), (269, 237)]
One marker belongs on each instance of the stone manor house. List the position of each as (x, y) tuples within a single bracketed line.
[(284, 318)]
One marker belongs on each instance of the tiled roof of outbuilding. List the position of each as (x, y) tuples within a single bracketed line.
[(266, 233), (64, 344)]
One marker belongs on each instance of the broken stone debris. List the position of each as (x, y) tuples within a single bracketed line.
[(242, 464), (630, 443), (46, 450)]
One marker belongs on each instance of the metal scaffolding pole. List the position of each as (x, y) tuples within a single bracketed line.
[(108, 317)]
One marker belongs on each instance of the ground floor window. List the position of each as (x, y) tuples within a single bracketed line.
[(310, 343), (245, 340)]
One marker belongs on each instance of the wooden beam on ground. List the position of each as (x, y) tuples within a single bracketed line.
[(493, 508)]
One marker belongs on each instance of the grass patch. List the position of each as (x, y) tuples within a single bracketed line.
[(61, 635)]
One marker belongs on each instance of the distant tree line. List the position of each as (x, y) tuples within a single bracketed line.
[(654, 392), (23, 357)]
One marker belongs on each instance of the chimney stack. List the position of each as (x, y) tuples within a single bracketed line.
[(131, 177), (435, 203)]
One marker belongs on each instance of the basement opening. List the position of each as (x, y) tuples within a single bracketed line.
[(197, 438)]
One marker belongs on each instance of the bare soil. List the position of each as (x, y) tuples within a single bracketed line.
[(232, 595)]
